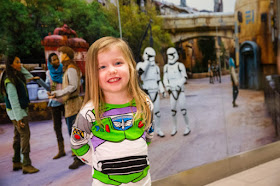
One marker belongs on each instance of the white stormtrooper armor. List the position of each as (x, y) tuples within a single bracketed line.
[(150, 75), (174, 79)]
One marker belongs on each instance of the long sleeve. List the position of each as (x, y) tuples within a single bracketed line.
[(17, 112), (26, 73), (142, 67), (43, 84), (150, 133), (150, 129), (48, 81), (73, 83), (165, 78), (80, 136)]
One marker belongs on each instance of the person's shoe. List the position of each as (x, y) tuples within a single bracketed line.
[(187, 131), (59, 155), (61, 151), (160, 133), (17, 166), (29, 169), (234, 104), (174, 131), (76, 164)]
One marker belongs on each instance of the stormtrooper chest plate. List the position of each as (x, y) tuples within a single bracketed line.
[(173, 72), (151, 74), (150, 78)]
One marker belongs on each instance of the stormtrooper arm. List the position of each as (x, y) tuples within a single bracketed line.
[(165, 79), (161, 88), (80, 136), (184, 75), (142, 67), (160, 85)]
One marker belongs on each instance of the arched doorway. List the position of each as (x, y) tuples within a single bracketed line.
[(249, 68)]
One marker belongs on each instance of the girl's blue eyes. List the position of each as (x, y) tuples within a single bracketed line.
[(103, 67)]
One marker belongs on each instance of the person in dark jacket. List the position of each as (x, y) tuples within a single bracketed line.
[(54, 80), (13, 87)]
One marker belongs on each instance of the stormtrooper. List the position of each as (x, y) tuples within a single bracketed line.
[(149, 73), (174, 79)]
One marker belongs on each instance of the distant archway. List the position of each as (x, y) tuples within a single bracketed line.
[(185, 27)]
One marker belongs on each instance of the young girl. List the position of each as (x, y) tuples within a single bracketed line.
[(115, 117)]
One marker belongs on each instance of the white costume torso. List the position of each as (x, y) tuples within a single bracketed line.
[(175, 76), (150, 78)]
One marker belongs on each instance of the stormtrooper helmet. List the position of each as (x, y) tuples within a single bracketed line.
[(172, 55), (149, 55)]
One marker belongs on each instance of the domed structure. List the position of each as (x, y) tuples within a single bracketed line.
[(65, 36)]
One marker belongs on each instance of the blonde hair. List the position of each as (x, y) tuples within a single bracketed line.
[(93, 91)]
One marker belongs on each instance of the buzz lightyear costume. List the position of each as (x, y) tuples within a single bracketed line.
[(118, 151), (174, 79), (150, 75)]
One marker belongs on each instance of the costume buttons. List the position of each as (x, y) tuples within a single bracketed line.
[(77, 136), (140, 124), (107, 128)]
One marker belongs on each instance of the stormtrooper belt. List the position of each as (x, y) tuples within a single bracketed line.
[(124, 166)]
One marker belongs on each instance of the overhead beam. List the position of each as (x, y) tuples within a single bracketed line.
[(186, 26), (179, 37)]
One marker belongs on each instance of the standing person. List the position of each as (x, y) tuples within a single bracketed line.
[(174, 78), (13, 87), (54, 80), (115, 117), (210, 73), (234, 81), (152, 85), (213, 71), (218, 72), (70, 92)]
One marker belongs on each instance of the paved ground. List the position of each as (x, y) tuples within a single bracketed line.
[(266, 174), (218, 131)]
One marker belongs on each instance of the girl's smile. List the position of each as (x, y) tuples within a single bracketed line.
[(113, 80)]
